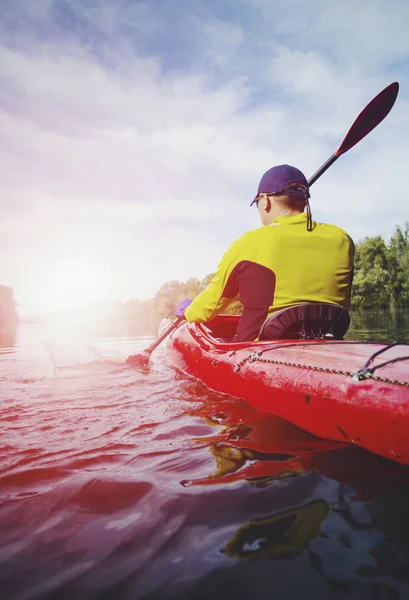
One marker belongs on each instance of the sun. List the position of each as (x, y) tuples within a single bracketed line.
[(75, 284)]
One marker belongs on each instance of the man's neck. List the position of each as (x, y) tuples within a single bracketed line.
[(274, 214)]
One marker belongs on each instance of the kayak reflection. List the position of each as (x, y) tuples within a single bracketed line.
[(281, 536), (258, 447), (324, 498)]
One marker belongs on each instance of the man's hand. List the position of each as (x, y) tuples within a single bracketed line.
[(180, 311)]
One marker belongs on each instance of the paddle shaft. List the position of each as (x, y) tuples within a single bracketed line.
[(164, 335), (322, 169), (142, 358)]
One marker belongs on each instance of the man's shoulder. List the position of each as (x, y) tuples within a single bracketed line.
[(255, 233), (252, 236), (335, 230)]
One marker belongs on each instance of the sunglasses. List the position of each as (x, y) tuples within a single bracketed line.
[(298, 187), (257, 200)]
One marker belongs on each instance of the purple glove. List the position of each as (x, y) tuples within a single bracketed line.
[(180, 311)]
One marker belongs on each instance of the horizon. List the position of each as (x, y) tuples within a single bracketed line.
[(134, 135)]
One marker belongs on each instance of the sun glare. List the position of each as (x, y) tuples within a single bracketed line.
[(75, 284)]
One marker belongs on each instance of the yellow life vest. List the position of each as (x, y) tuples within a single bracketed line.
[(276, 266)]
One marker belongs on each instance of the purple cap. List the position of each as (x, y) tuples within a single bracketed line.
[(288, 180)]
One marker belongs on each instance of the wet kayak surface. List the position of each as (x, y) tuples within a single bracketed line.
[(124, 483)]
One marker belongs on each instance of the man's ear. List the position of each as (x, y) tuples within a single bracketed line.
[(267, 204)]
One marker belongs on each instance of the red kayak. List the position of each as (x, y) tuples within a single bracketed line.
[(337, 390)]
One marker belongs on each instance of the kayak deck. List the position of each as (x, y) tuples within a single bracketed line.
[(338, 390)]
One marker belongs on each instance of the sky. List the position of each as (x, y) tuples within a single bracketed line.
[(133, 134)]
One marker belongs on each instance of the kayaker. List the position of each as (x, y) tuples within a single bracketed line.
[(290, 260)]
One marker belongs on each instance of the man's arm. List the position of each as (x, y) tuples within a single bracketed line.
[(218, 294)]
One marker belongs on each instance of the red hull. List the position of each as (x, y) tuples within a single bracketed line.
[(309, 384)]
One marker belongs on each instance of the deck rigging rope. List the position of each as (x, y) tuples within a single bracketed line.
[(365, 373)]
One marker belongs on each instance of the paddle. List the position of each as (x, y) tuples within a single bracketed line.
[(143, 357), (368, 119)]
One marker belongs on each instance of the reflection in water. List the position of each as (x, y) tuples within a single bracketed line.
[(256, 446), (337, 526), (118, 484), (281, 536), (377, 325)]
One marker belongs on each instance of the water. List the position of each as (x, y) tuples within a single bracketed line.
[(124, 484), (380, 325)]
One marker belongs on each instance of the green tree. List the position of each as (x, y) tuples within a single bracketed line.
[(8, 312), (372, 278), (171, 293), (398, 255)]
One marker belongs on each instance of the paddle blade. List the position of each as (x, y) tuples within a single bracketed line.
[(370, 117), (139, 360), (143, 357)]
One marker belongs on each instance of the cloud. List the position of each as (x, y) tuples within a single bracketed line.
[(138, 131)]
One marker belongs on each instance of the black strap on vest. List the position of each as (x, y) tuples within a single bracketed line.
[(307, 321)]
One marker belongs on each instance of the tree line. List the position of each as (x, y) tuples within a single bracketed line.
[(9, 318), (381, 280), (8, 307), (381, 277)]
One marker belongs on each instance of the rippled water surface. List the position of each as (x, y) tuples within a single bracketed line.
[(123, 484)]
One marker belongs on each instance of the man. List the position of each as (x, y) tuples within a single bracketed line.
[(290, 260)]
